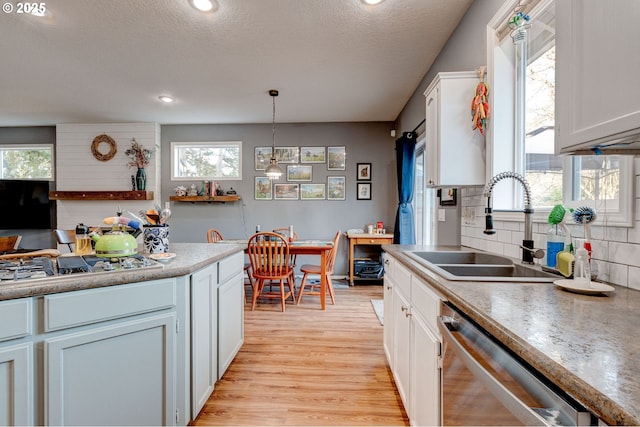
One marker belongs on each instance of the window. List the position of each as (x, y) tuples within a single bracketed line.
[(26, 162), (523, 126), (423, 199), (221, 160)]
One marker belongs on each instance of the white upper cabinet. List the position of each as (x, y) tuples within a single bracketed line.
[(455, 152), (597, 69)]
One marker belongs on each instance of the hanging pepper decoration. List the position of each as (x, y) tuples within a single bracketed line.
[(480, 108)]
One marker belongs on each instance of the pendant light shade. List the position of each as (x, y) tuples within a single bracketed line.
[(273, 171)]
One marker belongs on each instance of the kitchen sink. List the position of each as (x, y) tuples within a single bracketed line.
[(462, 257), (479, 267)]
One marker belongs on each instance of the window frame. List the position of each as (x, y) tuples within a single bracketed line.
[(204, 144), (49, 147), (510, 156)]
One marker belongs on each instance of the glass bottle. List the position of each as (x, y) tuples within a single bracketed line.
[(555, 243)]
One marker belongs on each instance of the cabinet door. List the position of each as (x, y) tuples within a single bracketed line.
[(16, 385), (425, 375), (204, 336), (388, 318), (432, 123), (230, 321), (597, 67), (401, 347), (122, 374)]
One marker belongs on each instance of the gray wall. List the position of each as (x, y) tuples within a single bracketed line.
[(364, 142), (31, 239), (466, 50)]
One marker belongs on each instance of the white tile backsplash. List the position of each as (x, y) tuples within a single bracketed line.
[(615, 250)]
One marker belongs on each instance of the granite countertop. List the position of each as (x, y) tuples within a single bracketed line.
[(189, 258), (585, 344)]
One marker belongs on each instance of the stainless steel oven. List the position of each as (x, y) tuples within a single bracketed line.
[(483, 383)]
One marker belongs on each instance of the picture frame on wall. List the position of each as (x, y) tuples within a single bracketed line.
[(336, 188), (448, 196), (299, 172), (313, 155), (287, 154), (262, 157), (263, 188), (286, 191), (364, 191), (312, 191), (364, 172), (336, 158)]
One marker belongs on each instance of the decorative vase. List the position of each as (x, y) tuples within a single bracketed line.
[(141, 179)]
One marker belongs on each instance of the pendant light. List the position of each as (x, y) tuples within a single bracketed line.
[(273, 171)]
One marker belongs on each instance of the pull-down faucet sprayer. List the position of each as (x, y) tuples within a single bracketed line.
[(527, 243)]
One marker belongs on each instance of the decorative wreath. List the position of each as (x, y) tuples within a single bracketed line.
[(113, 149)]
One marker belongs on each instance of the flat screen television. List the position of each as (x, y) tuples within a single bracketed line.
[(25, 205)]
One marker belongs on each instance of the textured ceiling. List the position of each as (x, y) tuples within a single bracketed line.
[(109, 60)]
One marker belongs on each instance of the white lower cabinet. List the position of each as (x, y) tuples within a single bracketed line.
[(204, 336), (16, 384), (411, 334), (230, 321), (16, 363), (121, 374)]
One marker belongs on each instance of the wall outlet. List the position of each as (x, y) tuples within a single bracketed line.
[(441, 215)]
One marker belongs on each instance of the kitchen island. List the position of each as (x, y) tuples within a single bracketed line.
[(586, 345), (134, 347)]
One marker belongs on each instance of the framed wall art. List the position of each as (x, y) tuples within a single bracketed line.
[(313, 155), (262, 190), (336, 158), (287, 154), (312, 191), (285, 191), (336, 188), (447, 196), (364, 191), (262, 157), (364, 172), (299, 172)]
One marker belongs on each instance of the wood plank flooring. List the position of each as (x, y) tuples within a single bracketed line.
[(309, 367)]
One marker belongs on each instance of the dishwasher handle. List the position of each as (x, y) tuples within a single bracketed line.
[(518, 408)]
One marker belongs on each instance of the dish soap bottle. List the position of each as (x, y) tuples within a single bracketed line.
[(582, 272), (555, 244)]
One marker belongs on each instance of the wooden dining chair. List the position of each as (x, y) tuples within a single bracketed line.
[(214, 235), (9, 243), (269, 256), (65, 237), (306, 269), (284, 232)]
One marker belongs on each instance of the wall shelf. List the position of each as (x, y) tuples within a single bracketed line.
[(207, 199), (101, 195)]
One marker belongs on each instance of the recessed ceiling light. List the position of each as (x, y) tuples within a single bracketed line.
[(166, 99), (204, 5), (372, 2)]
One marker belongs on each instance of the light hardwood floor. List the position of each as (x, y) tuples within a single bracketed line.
[(309, 367)]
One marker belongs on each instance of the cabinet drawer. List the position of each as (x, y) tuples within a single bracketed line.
[(426, 302), (15, 319), (77, 308), (402, 279), (372, 241), (230, 266)]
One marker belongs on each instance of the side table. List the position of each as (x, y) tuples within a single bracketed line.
[(364, 239)]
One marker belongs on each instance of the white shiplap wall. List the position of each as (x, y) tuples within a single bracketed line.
[(77, 169)]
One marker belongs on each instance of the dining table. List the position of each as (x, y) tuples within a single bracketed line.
[(304, 247)]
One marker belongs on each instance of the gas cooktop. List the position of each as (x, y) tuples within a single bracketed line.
[(44, 267)]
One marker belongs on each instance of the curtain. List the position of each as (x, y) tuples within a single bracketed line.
[(404, 231)]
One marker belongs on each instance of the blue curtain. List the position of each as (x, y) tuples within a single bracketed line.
[(404, 231)]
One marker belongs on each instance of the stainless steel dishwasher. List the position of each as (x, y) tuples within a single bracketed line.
[(483, 383)]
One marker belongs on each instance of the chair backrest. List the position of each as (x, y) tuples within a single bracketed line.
[(9, 243), (284, 231), (214, 235), (268, 253), (334, 251), (65, 237)]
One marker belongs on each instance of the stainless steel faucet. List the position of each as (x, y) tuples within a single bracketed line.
[(527, 243)]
